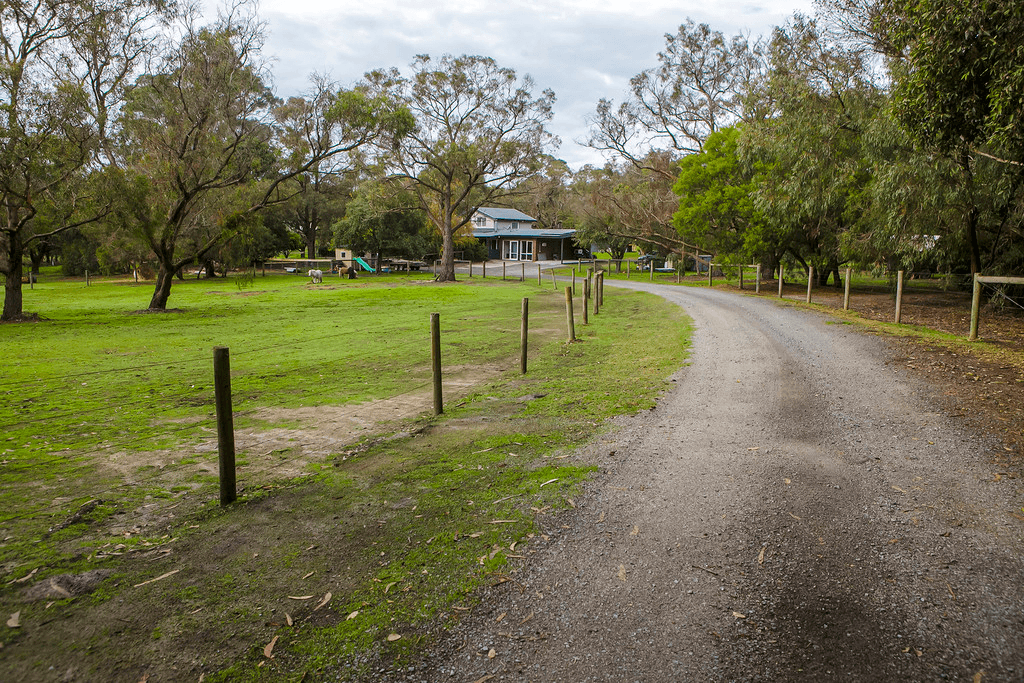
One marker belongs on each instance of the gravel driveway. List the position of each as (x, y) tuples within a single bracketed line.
[(796, 508)]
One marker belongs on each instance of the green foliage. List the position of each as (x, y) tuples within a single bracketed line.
[(716, 208)]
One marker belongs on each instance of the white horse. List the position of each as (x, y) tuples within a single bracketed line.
[(316, 276)]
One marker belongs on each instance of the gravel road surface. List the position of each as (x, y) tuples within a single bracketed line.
[(796, 508)]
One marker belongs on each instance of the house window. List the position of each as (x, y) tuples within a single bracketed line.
[(526, 250), (481, 220), (513, 226)]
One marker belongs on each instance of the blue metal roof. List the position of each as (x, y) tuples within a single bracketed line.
[(524, 232), (505, 214)]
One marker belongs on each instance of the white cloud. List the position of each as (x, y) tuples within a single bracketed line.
[(582, 49)]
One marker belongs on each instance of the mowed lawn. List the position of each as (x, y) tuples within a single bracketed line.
[(108, 455)]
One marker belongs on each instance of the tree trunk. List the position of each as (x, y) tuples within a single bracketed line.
[(12, 288), (447, 273), (164, 278)]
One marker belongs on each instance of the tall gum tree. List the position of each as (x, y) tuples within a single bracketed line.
[(479, 131), (63, 68), (201, 151)]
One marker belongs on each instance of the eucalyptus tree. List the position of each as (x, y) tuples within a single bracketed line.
[(810, 149), (698, 87), (63, 71), (479, 130), (958, 78), (200, 150)]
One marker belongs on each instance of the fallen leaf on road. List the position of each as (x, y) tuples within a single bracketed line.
[(24, 578), (526, 618), (739, 616), (15, 620), (760, 555), (393, 637), (977, 676), (501, 616), (484, 679), (951, 590), (571, 503), (491, 653), (622, 572), (269, 649), (755, 448), (326, 599), (635, 531), (897, 488), (600, 517), (307, 576), (288, 619), (389, 587), (793, 516), (788, 482), (352, 616), (299, 597)]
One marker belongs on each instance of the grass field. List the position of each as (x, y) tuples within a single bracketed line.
[(352, 493)]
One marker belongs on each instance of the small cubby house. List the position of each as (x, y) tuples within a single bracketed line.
[(511, 235)]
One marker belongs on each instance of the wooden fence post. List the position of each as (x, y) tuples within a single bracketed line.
[(522, 276), (627, 268), (586, 301), (225, 424), (757, 282), (600, 287), (502, 270), (554, 283), (899, 296), (810, 281), (741, 276), (651, 266), (435, 360), (471, 268), (568, 314), (87, 278), (483, 269), (975, 308), (780, 280), (711, 277), (524, 327), (846, 292), (597, 296), (539, 281), (574, 281)]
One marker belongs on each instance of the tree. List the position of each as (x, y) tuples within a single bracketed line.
[(317, 196), (63, 67), (383, 223), (199, 147), (697, 88), (479, 131), (958, 74), (716, 208)]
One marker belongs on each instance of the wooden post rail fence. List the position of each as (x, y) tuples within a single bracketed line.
[(980, 280)]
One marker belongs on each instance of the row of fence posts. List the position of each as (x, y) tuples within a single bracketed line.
[(222, 375)]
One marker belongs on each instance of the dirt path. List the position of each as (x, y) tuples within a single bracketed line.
[(795, 509)]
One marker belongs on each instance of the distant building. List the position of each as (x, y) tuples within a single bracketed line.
[(511, 235)]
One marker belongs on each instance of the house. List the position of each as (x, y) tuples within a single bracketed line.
[(511, 235)]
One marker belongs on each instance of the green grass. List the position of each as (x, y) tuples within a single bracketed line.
[(398, 526)]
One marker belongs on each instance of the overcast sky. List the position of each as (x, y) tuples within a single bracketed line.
[(582, 49)]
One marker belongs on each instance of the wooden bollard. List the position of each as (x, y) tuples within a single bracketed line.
[(711, 276), (502, 270), (524, 326), (586, 301), (810, 282), (781, 279), (568, 314), (225, 424), (899, 296), (652, 270), (600, 287), (741, 276), (471, 269), (846, 292), (975, 308), (539, 281), (757, 281), (435, 360), (483, 269)]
